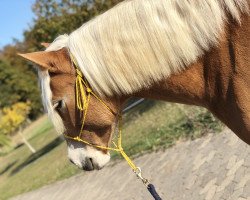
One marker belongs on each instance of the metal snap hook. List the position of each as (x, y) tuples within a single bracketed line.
[(138, 173)]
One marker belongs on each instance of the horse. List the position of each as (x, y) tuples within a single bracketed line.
[(192, 52)]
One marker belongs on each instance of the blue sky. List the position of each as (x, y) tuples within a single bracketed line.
[(15, 17)]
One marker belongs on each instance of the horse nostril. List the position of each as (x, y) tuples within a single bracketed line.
[(89, 164)]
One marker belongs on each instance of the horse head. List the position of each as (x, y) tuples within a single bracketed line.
[(57, 76)]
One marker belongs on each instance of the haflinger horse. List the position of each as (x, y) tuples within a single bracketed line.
[(190, 51)]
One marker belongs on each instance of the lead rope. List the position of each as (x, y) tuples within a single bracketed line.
[(82, 102)]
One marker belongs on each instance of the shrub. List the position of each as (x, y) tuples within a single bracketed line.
[(11, 119)]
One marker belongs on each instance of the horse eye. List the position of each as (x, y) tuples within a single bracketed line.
[(59, 105)]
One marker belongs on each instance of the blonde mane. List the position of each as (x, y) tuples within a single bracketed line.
[(139, 42)]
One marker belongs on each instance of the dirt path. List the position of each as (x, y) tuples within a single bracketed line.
[(214, 167)]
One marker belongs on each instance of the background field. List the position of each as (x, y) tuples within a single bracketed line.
[(150, 126)]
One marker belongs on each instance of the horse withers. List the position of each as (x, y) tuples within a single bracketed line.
[(193, 52)]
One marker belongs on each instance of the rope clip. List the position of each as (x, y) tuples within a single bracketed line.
[(138, 173)]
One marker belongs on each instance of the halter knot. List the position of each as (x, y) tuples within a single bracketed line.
[(77, 138), (79, 73), (121, 149), (88, 90)]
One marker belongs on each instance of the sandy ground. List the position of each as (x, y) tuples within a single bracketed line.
[(214, 167)]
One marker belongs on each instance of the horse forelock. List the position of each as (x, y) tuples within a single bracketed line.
[(139, 42), (47, 101), (59, 43)]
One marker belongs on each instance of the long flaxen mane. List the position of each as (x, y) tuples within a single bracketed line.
[(140, 42)]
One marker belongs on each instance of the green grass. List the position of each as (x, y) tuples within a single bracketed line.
[(21, 171), (154, 125), (150, 126)]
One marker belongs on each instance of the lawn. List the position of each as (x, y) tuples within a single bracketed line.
[(150, 126)]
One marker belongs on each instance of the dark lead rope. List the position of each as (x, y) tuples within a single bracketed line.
[(151, 189)]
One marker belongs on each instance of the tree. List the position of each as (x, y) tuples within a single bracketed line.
[(12, 119), (56, 17), (17, 85)]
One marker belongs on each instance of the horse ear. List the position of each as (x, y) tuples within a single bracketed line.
[(43, 59), (45, 44)]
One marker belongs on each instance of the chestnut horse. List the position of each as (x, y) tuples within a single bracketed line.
[(191, 51)]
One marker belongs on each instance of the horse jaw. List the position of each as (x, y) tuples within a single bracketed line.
[(86, 157)]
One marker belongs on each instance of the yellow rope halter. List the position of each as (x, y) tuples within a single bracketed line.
[(82, 102)]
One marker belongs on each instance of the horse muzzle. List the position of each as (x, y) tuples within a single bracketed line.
[(86, 157)]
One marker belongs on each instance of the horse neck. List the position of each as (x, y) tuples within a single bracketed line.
[(210, 83), (186, 87), (218, 81)]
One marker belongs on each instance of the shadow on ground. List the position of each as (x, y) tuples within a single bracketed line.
[(18, 146), (8, 167), (37, 155)]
